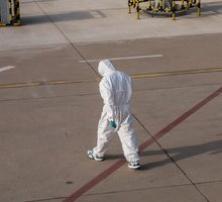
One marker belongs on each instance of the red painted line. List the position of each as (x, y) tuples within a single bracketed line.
[(100, 177), (180, 119), (95, 181)]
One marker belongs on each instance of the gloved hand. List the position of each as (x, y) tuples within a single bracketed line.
[(112, 124)]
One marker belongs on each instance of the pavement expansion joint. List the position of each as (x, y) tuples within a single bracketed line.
[(209, 182), (46, 199), (128, 190), (42, 83), (139, 189), (177, 88), (66, 38), (155, 139), (104, 174), (46, 98), (176, 73)]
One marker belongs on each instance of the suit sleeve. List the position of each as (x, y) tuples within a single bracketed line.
[(107, 96)]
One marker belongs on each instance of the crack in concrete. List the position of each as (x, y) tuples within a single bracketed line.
[(171, 159)]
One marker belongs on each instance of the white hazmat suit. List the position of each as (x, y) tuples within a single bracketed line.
[(116, 91)]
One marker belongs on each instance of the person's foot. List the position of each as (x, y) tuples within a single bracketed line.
[(134, 165), (93, 156)]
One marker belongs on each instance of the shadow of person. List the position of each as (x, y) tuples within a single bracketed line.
[(113, 156), (181, 153)]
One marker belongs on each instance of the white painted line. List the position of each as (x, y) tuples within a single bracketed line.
[(95, 14), (2, 69), (208, 12), (125, 58)]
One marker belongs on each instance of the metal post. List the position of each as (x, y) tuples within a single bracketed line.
[(138, 9), (174, 10), (182, 5), (129, 6), (198, 8), (149, 5)]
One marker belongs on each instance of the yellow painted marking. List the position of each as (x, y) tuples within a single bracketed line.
[(175, 73), (134, 76), (40, 83)]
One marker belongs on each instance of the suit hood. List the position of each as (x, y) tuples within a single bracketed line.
[(105, 67)]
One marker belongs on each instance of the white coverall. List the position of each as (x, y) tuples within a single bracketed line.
[(116, 91)]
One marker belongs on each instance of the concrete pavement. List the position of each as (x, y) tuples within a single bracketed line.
[(50, 104)]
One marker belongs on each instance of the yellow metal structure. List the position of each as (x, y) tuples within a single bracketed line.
[(168, 7)]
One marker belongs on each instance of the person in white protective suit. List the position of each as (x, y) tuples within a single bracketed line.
[(116, 91)]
